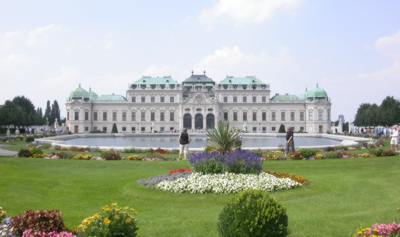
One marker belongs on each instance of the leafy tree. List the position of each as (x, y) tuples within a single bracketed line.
[(282, 129), (223, 138), (386, 114)]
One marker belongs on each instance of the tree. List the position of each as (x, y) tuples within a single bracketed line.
[(114, 128), (224, 139), (55, 113), (282, 129), (47, 112), (386, 114)]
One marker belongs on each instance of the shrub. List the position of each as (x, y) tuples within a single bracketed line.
[(319, 156), (364, 155), (46, 221), (384, 230), (114, 128), (29, 139), (307, 153), (388, 153), (82, 156), (111, 155), (275, 155), (333, 155), (234, 162), (282, 129), (66, 155), (134, 158), (110, 221), (224, 139), (36, 151), (3, 214), (32, 233), (253, 213), (295, 156), (376, 152), (24, 153)]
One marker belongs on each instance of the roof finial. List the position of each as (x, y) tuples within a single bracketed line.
[(192, 72), (317, 85), (79, 85), (306, 89), (204, 72)]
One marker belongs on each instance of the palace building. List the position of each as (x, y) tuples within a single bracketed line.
[(161, 104)]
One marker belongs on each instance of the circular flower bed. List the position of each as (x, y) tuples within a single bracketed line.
[(219, 183)]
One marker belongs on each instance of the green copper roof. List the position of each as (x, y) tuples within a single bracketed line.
[(165, 80), (286, 98), (79, 93), (249, 80), (110, 98), (203, 79), (316, 93)]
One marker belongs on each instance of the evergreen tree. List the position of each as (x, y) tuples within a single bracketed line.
[(282, 129), (47, 112), (114, 128), (55, 113)]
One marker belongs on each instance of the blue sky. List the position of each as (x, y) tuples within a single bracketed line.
[(351, 48)]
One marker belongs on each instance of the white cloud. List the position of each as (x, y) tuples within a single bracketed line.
[(245, 11), (389, 45)]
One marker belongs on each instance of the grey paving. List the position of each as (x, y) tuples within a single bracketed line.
[(4, 152)]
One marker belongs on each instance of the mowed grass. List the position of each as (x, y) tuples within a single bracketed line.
[(342, 195)]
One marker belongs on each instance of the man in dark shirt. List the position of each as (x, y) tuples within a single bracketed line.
[(289, 140), (184, 141)]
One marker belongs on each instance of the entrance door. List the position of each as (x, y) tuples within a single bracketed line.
[(321, 129), (198, 121), (210, 121), (76, 129), (187, 121)]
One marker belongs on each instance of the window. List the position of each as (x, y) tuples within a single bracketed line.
[(95, 128), (273, 129), (234, 99), (162, 99), (254, 116), (254, 99), (162, 114), (104, 129), (320, 114), (310, 114), (124, 129), (104, 116), (86, 115), (133, 129), (171, 129), (244, 116), (143, 116), (244, 99), (301, 129), (152, 99), (67, 115), (133, 99), (152, 116), (292, 116), (235, 117), (264, 99), (124, 116), (273, 116), (264, 129), (133, 116), (86, 129), (301, 116), (283, 116), (225, 99), (226, 116), (143, 99), (264, 116), (142, 129), (254, 129), (328, 112), (161, 129), (171, 116), (95, 116), (114, 114), (172, 99), (76, 115)]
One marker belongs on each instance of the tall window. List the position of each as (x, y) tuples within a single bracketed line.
[(225, 99), (171, 116), (273, 116), (67, 115), (292, 116), (254, 99), (114, 114), (162, 115), (226, 116), (264, 99), (152, 99), (143, 116), (283, 116), (172, 99), (124, 116), (244, 99), (86, 115), (320, 114), (235, 117), (301, 116), (244, 116), (162, 99), (133, 116), (234, 99), (310, 114), (152, 116), (134, 99), (76, 115), (95, 116), (254, 116), (264, 116), (104, 116), (143, 99)]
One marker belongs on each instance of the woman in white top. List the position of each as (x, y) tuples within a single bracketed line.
[(394, 138)]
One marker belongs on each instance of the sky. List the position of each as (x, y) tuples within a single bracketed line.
[(349, 48)]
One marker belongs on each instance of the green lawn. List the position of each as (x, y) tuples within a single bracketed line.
[(342, 194)]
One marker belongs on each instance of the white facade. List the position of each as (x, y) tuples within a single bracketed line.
[(160, 104)]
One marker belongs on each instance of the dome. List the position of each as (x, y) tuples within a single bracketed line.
[(317, 93), (79, 93)]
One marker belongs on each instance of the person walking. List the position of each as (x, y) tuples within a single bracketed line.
[(394, 138), (289, 141), (184, 141)]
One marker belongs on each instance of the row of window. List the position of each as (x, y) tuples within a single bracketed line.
[(234, 116), (234, 99), (161, 116), (161, 99)]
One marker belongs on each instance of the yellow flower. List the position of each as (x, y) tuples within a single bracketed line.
[(128, 220), (106, 221)]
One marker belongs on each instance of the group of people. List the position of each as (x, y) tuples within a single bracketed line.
[(184, 141)]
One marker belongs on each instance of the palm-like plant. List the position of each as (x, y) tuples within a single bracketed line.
[(224, 139)]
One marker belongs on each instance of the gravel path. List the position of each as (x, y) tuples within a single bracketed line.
[(7, 153)]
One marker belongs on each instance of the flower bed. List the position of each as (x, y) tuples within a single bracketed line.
[(380, 230), (226, 183)]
